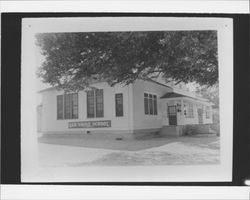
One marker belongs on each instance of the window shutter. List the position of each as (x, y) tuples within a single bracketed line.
[(119, 104)]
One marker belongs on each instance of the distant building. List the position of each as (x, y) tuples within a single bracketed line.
[(146, 106)]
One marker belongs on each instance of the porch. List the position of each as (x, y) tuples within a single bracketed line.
[(179, 109)]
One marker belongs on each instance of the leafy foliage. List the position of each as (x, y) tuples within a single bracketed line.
[(210, 93), (73, 60)]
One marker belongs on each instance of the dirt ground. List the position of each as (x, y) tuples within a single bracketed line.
[(77, 152)]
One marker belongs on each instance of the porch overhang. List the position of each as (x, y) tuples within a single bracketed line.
[(178, 96)]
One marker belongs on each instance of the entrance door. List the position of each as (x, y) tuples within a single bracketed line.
[(172, 115), (200, 115)]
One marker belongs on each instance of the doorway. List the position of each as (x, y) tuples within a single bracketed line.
[(172, 115)]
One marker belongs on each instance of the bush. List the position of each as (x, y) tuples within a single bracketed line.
[(190, 129), (215, 128), (216, 117), (193, 129)]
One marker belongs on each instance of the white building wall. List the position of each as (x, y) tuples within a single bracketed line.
[(142, 121), (181, 118), (184, 120), (134, 117), (51, 124)]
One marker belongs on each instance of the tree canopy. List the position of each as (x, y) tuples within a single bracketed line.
[(72, 60), (210, 93)]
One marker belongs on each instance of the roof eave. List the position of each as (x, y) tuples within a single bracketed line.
[(189, 98)]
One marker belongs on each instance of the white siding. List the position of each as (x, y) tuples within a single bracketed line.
[(142, 121), (51, 124), (133, 109)]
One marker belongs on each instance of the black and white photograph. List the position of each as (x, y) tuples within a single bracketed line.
[(126, 99)]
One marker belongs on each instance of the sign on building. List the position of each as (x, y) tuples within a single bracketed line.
[(90, 124)]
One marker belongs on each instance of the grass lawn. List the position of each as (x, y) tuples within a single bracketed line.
[(77, 152)]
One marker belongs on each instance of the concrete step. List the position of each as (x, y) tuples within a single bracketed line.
[(170, 131)]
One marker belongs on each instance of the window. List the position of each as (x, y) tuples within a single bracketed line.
[(167, 110), (150, 104), (119, 105), (67, 106), (75, 106), (99, 103), (146, 104), (207, 112), (178, 106), (95, 103), (60, 107), (172, 110), (90, 104), (188, 110), (155, 104)]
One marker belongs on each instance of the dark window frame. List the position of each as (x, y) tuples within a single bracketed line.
[(90, 104), (155, 105), (96, 103), (150, 104), (146, 104), (69, 107), (60, 106), (119, 105)]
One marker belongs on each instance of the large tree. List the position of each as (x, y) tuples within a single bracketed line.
[(210, 93), (72, 60)]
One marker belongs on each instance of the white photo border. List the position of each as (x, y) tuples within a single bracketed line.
[(30, 172)]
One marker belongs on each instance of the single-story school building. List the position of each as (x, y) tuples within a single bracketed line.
[(144, 107)]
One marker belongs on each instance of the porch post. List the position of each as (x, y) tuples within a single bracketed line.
[(182, 107)]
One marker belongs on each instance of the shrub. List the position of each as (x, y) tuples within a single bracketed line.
[(215, 128), (190, 129)]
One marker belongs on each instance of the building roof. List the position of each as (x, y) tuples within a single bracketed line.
[(150, 80), (156, 82), (172, 95), (48, 89), (176, 95)]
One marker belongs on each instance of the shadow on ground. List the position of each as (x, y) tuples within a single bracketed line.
[(149, 158), (130, 144)]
